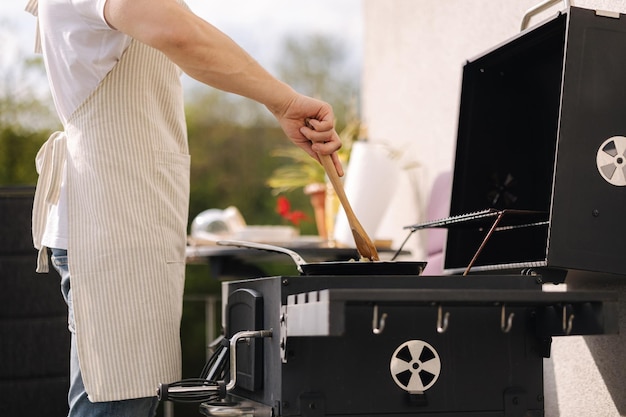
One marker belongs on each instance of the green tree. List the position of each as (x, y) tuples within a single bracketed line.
[(26, 117), (317, 66), (17, 155)]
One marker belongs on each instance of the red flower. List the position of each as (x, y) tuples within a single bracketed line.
[(283, 207), (296, 217)]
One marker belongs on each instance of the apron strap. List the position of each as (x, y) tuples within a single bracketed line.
[(32, 7)]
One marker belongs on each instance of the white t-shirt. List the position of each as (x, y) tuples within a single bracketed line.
[(79, 49)]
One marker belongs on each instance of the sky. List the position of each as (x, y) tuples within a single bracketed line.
[(257, 25)]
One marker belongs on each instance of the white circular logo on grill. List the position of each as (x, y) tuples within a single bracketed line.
[(415, 366), (611, 160)]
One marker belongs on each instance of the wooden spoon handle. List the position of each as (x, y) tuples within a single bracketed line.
[(364, 244)]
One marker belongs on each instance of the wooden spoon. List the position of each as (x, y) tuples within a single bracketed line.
[(364, 244)]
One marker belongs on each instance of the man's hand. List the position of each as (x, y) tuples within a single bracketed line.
[(310, 124)]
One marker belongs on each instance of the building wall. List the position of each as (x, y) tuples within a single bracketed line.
[(413, 56)]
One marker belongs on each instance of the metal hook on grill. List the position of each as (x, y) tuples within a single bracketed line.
[(568, 322), (442, 320), (506, 323), (378, 325)]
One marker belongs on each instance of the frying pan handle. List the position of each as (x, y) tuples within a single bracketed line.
[(540, 8), (262, 246)]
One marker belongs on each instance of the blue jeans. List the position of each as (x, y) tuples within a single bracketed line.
[(80, 406)]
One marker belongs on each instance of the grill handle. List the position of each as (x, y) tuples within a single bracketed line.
[(299, 261), (243, 335), (540, 8)]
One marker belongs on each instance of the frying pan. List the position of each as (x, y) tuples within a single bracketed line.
[(335, 267)]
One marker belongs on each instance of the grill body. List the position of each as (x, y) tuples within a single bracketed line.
[(441, 349)]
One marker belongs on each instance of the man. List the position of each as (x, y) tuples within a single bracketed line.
[(112, 195)]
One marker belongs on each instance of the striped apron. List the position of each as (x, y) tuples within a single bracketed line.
[(127, 163)]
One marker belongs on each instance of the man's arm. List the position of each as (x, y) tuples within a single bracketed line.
[(211, 57)]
